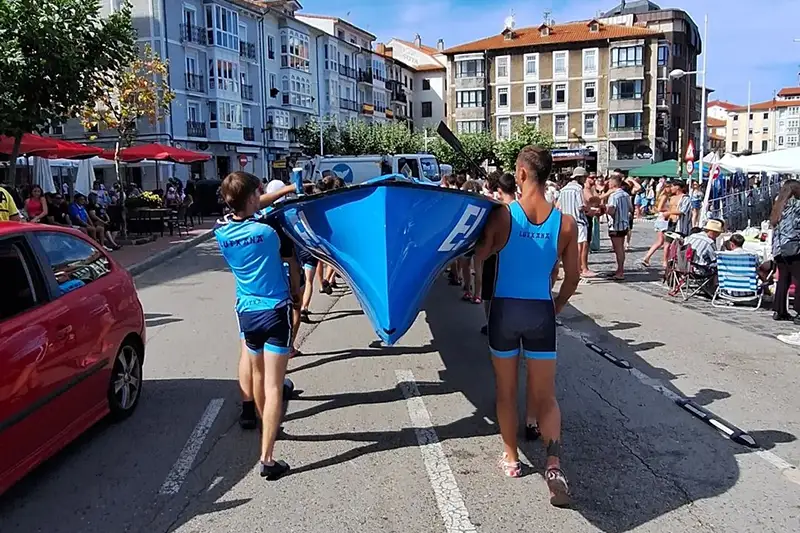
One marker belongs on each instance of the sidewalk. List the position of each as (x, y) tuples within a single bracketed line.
[(139, 258)]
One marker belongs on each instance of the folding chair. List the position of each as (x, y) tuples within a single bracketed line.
[(690, 278), (738, 280), (673, 248)]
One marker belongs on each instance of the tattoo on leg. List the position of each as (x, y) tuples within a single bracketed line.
[(553, 448)]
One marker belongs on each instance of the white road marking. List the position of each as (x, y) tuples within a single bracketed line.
[(182, 466), (448, 497), (791, 472)]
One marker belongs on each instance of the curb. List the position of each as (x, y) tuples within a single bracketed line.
[(165, 255)]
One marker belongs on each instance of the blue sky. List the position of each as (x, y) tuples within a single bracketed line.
[(745, 42)]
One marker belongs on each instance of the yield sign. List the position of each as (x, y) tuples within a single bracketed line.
[(689, 151)]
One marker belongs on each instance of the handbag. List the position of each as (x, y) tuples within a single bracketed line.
[(790, 249)]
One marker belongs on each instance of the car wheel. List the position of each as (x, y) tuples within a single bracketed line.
[(126, 381)]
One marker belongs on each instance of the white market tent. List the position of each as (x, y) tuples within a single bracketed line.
[(783, 161)]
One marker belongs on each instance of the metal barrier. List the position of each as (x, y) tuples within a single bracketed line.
[(746, 208)]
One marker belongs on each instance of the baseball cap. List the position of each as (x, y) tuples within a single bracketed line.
[(579, 172)]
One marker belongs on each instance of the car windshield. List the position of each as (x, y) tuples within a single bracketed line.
[(430, 169)]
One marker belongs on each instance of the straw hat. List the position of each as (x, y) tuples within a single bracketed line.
[(714, 225)]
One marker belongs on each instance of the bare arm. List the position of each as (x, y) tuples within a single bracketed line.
[(267, 200), (568, 244), (294, 279), (491, 240)]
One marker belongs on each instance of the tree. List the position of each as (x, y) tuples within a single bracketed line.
[(479, 147), (138, 91), (356, 137), (522, 136), (54, 57), (308, 136)]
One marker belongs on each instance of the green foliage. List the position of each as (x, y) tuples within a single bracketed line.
[(54, 54), (308, 136), (478, 146), (522, 136), (358, 138)]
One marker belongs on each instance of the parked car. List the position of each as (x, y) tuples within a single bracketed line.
[(72, 337)]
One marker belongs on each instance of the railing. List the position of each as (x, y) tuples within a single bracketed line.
[(247, 50), (350, 105), (365, 76), (379, 76), (195, 82), (381, 108), (249, 134), (193, 34), (350, 72), (247, 92), (399, 96), (195, 129), (625, 129), (740, 206)]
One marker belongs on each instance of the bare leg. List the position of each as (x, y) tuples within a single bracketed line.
[(245, 374), (505, 371), (653, 249), (257, 371), (308, 291), (478, 265), (618, 244), (274, 367)]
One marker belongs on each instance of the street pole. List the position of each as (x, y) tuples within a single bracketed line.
[(703, 100)]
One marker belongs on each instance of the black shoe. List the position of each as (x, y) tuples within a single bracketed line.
[(334, 285), (305, 316), (326, 288), (781, 317), (532, 432), (248, 418), (276, 470)]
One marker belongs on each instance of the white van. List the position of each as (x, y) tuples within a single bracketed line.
[(358, 169)]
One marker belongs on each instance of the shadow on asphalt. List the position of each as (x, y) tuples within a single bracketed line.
[(206, 258), (153, 320)]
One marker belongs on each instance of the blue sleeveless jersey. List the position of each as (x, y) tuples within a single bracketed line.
[(525, 263), (252, 250)]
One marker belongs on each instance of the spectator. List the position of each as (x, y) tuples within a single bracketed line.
[(100, 219), (785, 220), (80, 218), (618, 208), (704, 243), (680, 209), (35, 205), (57, 212), (8, 208), (736, 244)]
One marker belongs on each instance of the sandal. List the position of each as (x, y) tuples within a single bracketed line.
[(467, 296), (645, 263), (557, 483), (510, 468), (477, 300)]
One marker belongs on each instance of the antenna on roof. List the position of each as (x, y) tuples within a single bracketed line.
[(547, 14), (509, 23)]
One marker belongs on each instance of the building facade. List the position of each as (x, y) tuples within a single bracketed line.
[(587, 83), (427, 66)]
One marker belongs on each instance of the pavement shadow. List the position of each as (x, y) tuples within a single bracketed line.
[(206, 257), (323, 358), (153, 320)]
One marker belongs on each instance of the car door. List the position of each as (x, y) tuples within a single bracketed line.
[(78, 275), (30, 346)]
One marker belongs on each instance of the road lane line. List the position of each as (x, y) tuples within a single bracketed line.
[(182, 466), (448, 498)]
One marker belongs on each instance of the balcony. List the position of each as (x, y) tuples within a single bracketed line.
[(195, 129), (378, 76), (631, 133), (195, 83), (249, 134), (367, 109), (365, 76), (625, 103), (247, 50), (399, 96), (350, 72), (193, 34), (247, 93), (350, 105), (379, 107)]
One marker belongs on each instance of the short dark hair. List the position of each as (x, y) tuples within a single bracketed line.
[(537, 160), (461, 179), (737, 240), (237, 188), (507, 183), (681, 184)]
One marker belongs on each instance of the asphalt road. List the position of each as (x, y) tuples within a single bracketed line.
[(404, 439)]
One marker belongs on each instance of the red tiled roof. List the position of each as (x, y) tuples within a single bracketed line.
[(571, 32), (712, 122), (764, 106), (428, 68), (723, 104), (431, 51), (789, 91)]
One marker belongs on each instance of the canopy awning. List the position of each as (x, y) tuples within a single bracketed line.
[(31, 144), (157, 152), (70, 150), (668, 168)]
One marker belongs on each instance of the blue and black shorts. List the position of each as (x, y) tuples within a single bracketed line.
[(528, 323), (306, 260), (268, 330)]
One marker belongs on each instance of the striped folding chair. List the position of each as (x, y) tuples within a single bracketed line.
[(738, 280)]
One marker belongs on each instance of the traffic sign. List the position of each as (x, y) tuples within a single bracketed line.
[(242, 160), (715, 172), (689, 151), (690, 167)]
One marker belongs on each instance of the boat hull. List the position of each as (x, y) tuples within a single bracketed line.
[(390, 238)]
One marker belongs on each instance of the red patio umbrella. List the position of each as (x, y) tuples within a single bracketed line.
[(157, 152), (70, 150), (31, 144)]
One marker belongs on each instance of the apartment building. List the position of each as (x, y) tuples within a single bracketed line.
[(428, 78), (751, 128), (787, 119), (587, 83), (715, 135)]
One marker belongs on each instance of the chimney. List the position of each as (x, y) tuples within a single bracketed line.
[(440, 45), (417, 40), (380, 48)]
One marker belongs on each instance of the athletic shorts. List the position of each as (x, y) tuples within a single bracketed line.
[(268, 330), (307, 261), (489, 278), (528, 323), (583, 233), (618, 234)]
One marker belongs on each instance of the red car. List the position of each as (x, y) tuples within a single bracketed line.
[(72, 336)]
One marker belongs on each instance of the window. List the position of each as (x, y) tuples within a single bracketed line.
[(661, 92), (735, 118), (273, 84), (470, 126), (590, 62), (559, 64), (193, 112), (734, 146), (531, 66), (676, 98), (230, 115), (764, 146), (750, 117), (561, 93), (546, 96), (227, 75), (780, 140), (532, 119), (223, 27), (340, 34), (271, 47), (470, 69), (736, 131), (590, 92), (663, 54), (56, 128), (628, 56), (469, 99), (503, 128), (750, 145), (590, 125), (766, 116), (295, 50), (626, 90), (426, 84), (530, 96), (501, 65), (19, 284), (791, 140), (75, 262), (626, 121), (677, 49), (560, 126), (765, 129), (502, 97), (427, 109)]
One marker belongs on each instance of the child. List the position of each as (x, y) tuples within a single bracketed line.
[(255, 252)]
